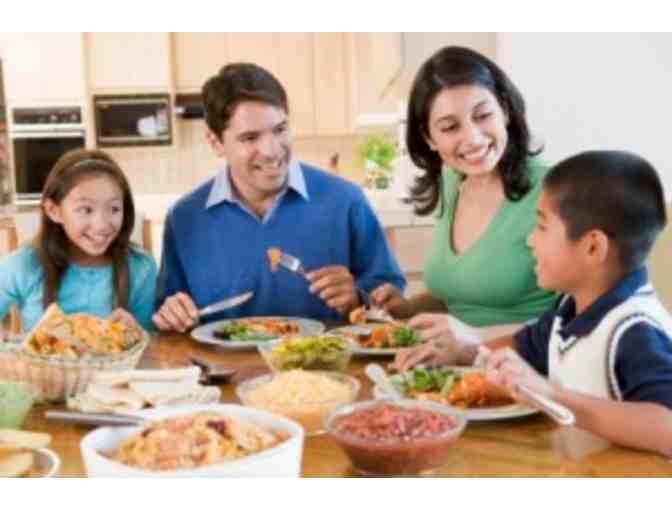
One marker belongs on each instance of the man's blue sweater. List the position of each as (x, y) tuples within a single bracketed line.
[(220, 251)]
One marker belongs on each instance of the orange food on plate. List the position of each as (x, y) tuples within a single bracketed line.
[(358, 315), (273, 258), (472, 390)]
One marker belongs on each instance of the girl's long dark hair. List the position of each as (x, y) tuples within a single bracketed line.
[(453, 66), (52, 243)]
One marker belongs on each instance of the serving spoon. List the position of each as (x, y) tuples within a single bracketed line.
[(377, 374)]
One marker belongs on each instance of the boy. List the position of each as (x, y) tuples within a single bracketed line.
[(606, 347)]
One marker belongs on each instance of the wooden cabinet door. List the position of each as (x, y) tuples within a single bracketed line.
[(43, 68), (378, 64), (198, 56), (289, 56), (333, 90), (129, 62)]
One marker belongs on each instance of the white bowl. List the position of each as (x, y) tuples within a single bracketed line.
[(283, 460)]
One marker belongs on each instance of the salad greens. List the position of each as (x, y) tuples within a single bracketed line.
[(239, 333), (405, 337), (428, 380)]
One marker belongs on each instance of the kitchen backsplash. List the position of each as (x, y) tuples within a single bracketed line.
[(190, 160)]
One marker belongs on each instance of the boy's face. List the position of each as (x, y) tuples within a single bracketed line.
[(256, 145), (559, 260)]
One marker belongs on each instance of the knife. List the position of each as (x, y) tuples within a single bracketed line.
[(226, 304)]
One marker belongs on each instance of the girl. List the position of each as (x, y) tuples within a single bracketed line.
[(82, 257)]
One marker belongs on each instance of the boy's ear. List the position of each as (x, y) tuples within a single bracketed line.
[(214, 142), (53, 211), (597, 247)]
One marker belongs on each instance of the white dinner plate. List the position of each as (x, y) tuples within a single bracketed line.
[(205, 334), (514, 410)]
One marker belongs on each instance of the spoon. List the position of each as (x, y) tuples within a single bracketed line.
[(377, 374)]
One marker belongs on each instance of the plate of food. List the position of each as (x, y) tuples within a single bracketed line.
[(378, 339), (249, 332), (463, 388)]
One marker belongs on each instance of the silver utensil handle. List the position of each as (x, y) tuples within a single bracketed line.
[(94, 418), (558, 412)]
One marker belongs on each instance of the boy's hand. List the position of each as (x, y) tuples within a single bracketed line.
[(506, 368), (123, 316)]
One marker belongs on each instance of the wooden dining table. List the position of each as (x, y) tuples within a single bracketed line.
[(531, 446)]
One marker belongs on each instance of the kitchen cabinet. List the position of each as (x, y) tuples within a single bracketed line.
[(377, 68), (129, 62), (197, 57), (43, 68)]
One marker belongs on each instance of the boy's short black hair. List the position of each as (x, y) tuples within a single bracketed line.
[(232, 85), (616, 192)]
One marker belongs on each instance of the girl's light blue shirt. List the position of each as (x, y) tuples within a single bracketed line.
[(83, 289)]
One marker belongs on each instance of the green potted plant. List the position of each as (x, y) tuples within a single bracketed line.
[(376, 155)]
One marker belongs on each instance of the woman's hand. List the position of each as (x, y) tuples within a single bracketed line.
[(390, 299), (433, 326), (506, 368), (123, 316)]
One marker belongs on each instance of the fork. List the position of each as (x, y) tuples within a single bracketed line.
[(294, 265)]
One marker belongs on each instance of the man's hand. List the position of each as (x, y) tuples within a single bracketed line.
[(177, 313), (433, 327), (336, 286), (390, 299), (506, 368)]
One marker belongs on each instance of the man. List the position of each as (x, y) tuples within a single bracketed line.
[(216, 237)]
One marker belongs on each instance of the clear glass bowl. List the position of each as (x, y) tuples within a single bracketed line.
[(53, 378), (394, 456), (16, 400), (277, 361), (310, 414)]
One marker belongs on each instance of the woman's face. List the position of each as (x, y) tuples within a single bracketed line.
[(467, 127)]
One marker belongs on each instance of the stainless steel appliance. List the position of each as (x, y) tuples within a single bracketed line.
[(5, 178), (39, 137), (132, 120)]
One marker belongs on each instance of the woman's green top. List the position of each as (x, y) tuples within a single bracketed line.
[(493, 281)]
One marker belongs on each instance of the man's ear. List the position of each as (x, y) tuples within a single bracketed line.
[(214, 142), (53, 211)]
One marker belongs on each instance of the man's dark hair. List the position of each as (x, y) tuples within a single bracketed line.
[(616, 192), (232, 85)]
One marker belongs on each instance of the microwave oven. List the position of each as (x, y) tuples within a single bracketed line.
[(132, 120)]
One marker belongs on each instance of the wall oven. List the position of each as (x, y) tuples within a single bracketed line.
[(40, 136)]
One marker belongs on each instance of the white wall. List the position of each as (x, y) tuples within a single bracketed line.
[(596, 91)]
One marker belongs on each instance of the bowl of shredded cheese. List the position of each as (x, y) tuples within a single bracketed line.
[(300, 395)]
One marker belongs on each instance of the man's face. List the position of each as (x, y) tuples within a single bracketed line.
[(256, 145)]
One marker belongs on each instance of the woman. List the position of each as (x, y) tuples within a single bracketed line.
[(467, 131)]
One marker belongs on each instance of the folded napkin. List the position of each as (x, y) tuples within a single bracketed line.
[(132, 390)]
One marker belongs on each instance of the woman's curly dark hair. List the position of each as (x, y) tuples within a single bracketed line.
[(453, 66)]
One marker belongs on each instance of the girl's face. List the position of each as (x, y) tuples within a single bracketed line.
[(91, 214), (467, 127)]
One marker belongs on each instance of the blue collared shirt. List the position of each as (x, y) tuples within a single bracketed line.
[(223, 191), (644, 355), (214, 247)]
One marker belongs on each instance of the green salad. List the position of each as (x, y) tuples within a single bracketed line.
[(318, 352), (405, 337), (237, 332), (427, 380)]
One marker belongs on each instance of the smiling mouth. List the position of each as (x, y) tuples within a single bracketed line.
[(476, 156)]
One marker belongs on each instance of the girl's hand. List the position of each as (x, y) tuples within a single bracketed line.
[(507, 368), (123, 316), (390, 299)]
